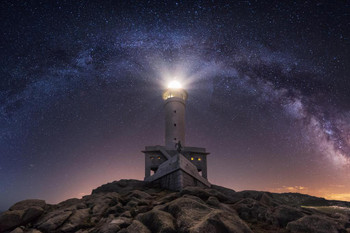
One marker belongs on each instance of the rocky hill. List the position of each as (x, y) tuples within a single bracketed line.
[(131, 206)]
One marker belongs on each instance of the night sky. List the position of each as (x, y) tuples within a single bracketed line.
[(81, 85)]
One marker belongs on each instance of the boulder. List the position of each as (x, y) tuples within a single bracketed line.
[(186, 204), (223, 190), (139, 195), (135, 226), (23, 205), (21, 213), (71, 204), (121, 186), (213, 201), (187, 211), (193, 215), (122, 222), (168, 197), (108, 228), (84, 231), (53, 220), (17, 230), (11, 219), (266, 199), (33, 231), (319, 224), (158, 221), (252, 211), (101, 203), (132, 203), (285, 214), (203, 193), (32, 213), (219, 221), (79, 219), (126, 214)]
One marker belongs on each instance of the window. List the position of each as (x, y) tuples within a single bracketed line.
[(174, 111), (158, 157), (199, 159), (175, 139), (175, 125), (192, 158)]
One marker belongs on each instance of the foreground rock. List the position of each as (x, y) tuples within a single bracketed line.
[(130, 206), (21, 213), (316, 224)]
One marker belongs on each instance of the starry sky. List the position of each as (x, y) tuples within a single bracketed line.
[(81, 85)]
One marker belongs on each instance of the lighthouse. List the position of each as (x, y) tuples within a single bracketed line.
[(175, 165)]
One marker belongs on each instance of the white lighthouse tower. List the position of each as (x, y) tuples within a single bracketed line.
[(175, 165), (174, 107)]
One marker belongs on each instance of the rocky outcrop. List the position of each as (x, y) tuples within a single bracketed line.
[(21, 213), (122, 186), (318, 224), (130, 206), (285, 214)]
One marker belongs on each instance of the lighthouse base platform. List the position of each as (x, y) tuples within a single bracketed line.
[(177, 173)]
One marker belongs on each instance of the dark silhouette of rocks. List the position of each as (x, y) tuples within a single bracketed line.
[(132, 206)]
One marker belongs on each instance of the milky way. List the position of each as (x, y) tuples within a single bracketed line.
[(81, 84)]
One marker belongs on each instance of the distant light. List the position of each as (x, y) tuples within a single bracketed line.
[(174, 85)]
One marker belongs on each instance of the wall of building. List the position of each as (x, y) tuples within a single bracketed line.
[(178, 180)]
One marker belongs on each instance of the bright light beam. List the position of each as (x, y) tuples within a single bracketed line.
[(174, 85)]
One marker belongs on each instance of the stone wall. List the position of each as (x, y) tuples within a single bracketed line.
[(188, 180), (177, 180)]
